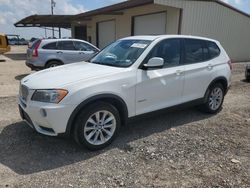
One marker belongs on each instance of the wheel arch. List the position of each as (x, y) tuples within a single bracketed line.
[(222, 80), (115, 100), (50, 60)]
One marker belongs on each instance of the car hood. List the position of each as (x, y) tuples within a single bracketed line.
[(55, 78)]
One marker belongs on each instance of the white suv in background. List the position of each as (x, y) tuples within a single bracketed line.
[(130, 77)]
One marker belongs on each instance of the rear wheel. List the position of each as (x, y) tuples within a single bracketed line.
[(97, 126), (214, 99), (52, 64)]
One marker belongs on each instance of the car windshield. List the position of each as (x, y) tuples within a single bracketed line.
[(122, 53)]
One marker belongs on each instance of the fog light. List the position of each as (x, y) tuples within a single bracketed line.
[(43, 112)]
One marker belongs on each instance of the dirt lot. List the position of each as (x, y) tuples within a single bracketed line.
[(177, 149)]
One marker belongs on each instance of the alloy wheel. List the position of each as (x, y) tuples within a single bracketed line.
[(100, 127)]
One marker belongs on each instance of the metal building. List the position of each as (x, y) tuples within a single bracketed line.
[(208, 18), (214, 19)]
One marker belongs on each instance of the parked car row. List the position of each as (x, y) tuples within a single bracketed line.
[(130, 77), (17, 41)]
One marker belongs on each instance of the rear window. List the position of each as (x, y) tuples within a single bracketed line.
[(35, 44), (50, 46), (214, 50)]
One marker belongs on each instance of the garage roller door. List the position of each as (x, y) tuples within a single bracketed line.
[(152, 24), (106, 33)]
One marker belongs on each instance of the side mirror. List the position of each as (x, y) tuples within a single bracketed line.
[(154, 63)]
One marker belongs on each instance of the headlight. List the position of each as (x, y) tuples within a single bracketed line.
[(49, 96)]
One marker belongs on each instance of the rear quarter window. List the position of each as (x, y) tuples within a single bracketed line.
[(214, 50), (50, 46)]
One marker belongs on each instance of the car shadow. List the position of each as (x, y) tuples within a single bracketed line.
[(246, 81), (21, 76), (27, 152), (16, 56)]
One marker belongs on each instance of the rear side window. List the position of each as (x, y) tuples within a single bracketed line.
[(214, 50), (66, 45), (50, 46), (193, 51), (1, 41)]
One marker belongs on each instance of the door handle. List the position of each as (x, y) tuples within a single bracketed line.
[(59, 52), (178, 72), (210, 67)]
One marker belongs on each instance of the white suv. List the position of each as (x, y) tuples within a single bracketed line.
[(130, 77)]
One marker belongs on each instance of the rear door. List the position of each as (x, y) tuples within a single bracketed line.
[(198, 69), (48, 52), (67, 52)]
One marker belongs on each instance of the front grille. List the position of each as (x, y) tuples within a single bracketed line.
[(23, 92)]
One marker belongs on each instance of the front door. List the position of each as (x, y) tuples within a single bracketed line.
[(161, 88)]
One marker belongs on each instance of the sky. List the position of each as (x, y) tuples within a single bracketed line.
[(12, 11)]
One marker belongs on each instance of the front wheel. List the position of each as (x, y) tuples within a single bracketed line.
[(97, 126), (214, 99)]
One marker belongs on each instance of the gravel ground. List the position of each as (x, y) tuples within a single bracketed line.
[(184, 148)]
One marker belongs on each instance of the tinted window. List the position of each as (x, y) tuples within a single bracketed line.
[(50, 46), (81, 46), (206, 53), (66, 45), (169, 50), (214, 50), (193, 51)]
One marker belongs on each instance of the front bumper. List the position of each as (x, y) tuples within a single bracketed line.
[(47, 119)]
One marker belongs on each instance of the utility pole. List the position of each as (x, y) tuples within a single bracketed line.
[(53, 5)]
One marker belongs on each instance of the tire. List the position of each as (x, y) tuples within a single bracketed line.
[(52, 64), (214, 99), (95, 137)]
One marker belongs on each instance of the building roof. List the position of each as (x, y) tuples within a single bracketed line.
[(63, 21), (232, 7), (114, 9)]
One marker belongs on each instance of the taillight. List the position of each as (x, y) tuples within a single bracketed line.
[(35, 50), (230, 64)]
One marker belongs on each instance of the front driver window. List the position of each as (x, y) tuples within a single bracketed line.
[(80, 46), (169, 50)]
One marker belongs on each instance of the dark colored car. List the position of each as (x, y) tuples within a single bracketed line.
[(248, 72)]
